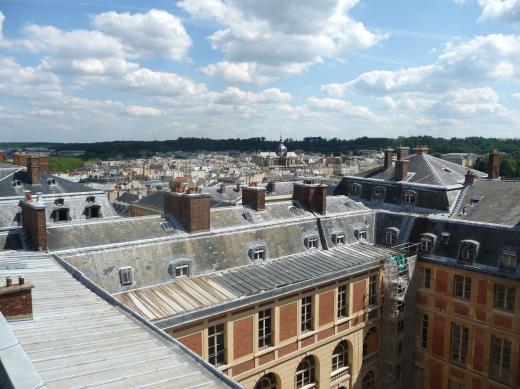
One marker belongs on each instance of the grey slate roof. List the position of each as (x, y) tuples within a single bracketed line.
[(153, 200), (275, 276), (491, 201), (77, 339), (425, 169)]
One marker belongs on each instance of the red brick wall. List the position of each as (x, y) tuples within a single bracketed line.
[(482, 292), (441, 282), (255, 198), (288, 321), (243, 337), (326, 314), (16, 303), (243, 367), (196, 213), (358, 298), (438, 336), (193, 342)]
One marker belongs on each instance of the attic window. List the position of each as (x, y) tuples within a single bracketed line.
[(59, 201), (360, 233), (126, 275), (51, 181), (247, 215), (509, 259), (92, 211), (427, 242), (311, 242), (60, 215), (468, 250), (445, 237), (379, 192), (91, 199), (391, 236), (182, 270), (410, 197), (338, 238), (257, 253), (355, 189), (17, 183)]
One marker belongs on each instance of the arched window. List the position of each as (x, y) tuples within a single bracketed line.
[(340, 356), (268, 381), (305, 373), (370, 342), (427, 242), (369, 381), (468, 250)]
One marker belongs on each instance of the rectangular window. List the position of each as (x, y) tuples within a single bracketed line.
[(508, 259), (467, 252), (504, 298), (372, 291), (500, 359), (342, 301), (216, 345), (459, 344), (313, 243), (391, 237), (424, 330), (462, 287), (258, 254), (426, 279), (340, 239), (426, 244), (409, 198), (454, 385), (126, 275), (182, 270), (306, 314), (362, 234), (265, 336)]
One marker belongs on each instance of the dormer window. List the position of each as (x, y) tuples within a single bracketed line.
[(427, 242), (182, 270), (179, 268), (338, 238), (91, 199), (17, 183), (59, 201), (51, 181), (355, 189), (60, 215), (468, 250), (410, 197), (391, 236), (379, 192), (126, 275), (92, 212), (311, 242), (509, 259), (257, 253)]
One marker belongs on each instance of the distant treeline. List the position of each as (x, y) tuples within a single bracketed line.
[(335, 146)]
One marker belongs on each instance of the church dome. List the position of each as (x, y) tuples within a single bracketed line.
[(282, 150)]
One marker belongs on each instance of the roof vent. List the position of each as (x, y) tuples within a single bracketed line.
[(247, 216)]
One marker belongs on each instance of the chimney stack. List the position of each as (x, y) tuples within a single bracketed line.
[(494, 164), (34, 220), (33, 170), (190, 208), (2, 156), (222, 188), (402, 152), (389, 154), (44, 164), (254, 197), (469, 178), (16, 300), (237, 189), (312, 196), (401, 169)]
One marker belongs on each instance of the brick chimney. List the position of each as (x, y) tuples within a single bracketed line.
[(389, 154), (33, 170), (16, 299), (312, 196), (20, 158), (402, 152), (238, 187), (401, 169), (190, 208), (44, 164), (254, 197), (34, 220), (222, 188), (494, 164), (469, 178)]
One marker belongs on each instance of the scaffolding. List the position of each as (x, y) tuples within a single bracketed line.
[(399, 323)]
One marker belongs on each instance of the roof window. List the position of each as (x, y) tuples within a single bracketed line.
[(126, 275), (468, 250)]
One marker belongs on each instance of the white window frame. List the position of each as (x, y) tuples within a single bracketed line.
[(342, 308), (216, 353), (258, 253), (391, 236), (312, 242), (509, 259), (462, 287), (504, 298), (126, 275), (306, 315), (459, 344), (265, 328), (339, 238), (410, 197), (501, 352), (182, 270), (426, 243)]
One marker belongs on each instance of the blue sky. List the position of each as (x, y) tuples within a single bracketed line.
[(105, 70)]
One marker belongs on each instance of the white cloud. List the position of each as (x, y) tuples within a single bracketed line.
[(505, 10), (340, 106), (143, 35), (138, 110), (516, 95), (267, 39), (483, 58)]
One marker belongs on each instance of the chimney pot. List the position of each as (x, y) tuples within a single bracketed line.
[(389, 154), (8, 281), (21, 280)]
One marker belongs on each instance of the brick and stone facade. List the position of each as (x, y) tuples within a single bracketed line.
[(16, 300), (191, 209), (254, 197), (34, 221)]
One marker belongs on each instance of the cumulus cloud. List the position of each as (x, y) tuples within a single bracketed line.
[(144, 35), (505, 10), (139, 110), (483, 58), (267, 39)]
